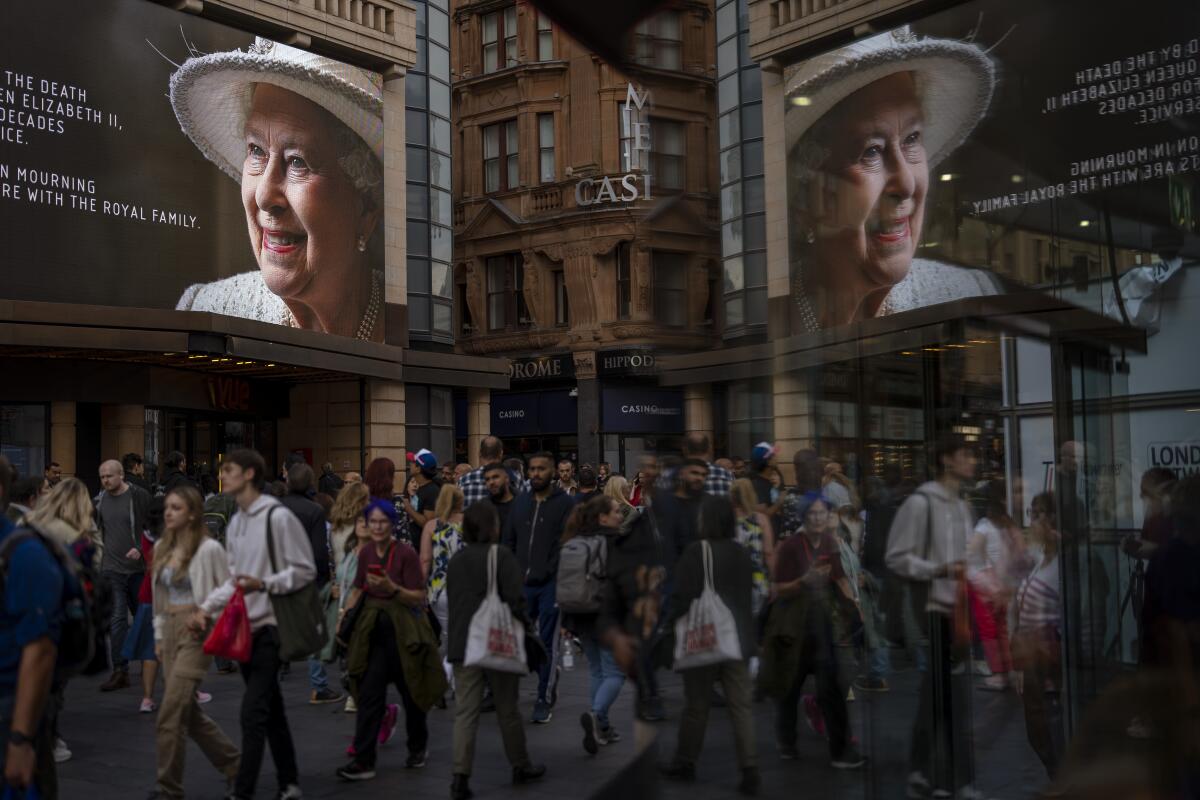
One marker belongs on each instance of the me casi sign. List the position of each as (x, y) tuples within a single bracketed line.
[(635, 158), (634, 409)]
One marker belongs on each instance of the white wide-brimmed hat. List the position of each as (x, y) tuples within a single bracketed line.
[(211, 96), (954, 83)]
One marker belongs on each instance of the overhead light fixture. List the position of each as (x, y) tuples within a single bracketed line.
[(947, 177), (930, 244), (1083, 223), (802, 101), (1018, 178)]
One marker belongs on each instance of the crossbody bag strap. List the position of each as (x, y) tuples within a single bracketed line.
[(492, 570), (708, 568), (271, 542)]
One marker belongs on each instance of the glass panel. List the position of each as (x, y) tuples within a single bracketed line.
[(731, 202), (731, 129), (23, 438), (547, 170), (491, 53), (418, 201), (443, 317), (731, 165), (420, 65), (514, 172), (734, 312), (415, 127), (727, 22), (751, 86), (441, 243), (727, 57), (491, 141), (735, 274), (439, 62), (752, 162), (418, 238), (756, 306), (418, 275), (756, 232), (754, 191), (439, 130), (727, 93), (752, 124), (439, 170), (439, 26), (439, 97), (545, 46), (490, 27), (442, 279), (491, 175), (756, 269), (414, 91), (416, 162), (441, 442), (418, 312), (439, 207), (545, 130), (744, 58), (731, 237)]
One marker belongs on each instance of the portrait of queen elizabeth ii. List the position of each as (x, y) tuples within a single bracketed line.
[(303, 137), (865, 125)]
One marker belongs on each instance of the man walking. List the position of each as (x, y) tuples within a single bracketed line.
[(35, 585), (135, 472), (497, 480), (566, 477), (720, 480), (474, 483), (175, 472), (258, 575), (122, 514), (533, 531), (927, 545), (312, 517), (53, 473), (423, 469), (330, 483), (589, 485)]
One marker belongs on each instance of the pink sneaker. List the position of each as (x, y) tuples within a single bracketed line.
[(812, 713), (389, 723), (203, 697), (148, 706)]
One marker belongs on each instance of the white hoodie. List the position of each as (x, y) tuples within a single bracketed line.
[(931, 529), (246, 544)]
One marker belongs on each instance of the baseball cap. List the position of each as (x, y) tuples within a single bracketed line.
[(762, 453), (425, 460)]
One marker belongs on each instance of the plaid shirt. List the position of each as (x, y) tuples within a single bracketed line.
[(475, 489), (719, 481)]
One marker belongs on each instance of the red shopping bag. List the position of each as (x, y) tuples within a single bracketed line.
[(230, 637)]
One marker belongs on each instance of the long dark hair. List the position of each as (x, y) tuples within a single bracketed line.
[(718, 520), (586, 516), (379, 478)]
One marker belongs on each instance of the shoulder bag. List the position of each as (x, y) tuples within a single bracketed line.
[(707, 634), (495, 639), (298, 614)]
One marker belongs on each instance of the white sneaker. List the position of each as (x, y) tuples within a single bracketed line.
[(919, 787), (148, 706), (290, 792), (61, 751), (351, 706)]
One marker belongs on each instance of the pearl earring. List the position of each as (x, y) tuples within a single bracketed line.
[(809, 236), (362, 244)]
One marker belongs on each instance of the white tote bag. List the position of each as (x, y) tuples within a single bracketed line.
[(495, 639), (707, 634)]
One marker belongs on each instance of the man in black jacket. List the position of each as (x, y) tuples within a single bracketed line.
[(330, 483), (175, 472), (300, 480), (533, 531)]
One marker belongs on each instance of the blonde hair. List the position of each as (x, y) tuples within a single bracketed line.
[(68, 502), (449, 502), (178, 547), (618, 489), (350, 502), (744, 498)]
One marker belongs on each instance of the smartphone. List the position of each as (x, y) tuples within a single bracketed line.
[(375, 569)]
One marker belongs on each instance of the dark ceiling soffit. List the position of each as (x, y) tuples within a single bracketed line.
[(55, 336), (318, 359), (447, 377)]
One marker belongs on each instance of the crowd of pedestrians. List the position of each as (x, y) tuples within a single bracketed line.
[(750, 589)]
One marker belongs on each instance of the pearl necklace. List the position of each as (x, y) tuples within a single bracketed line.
[(800, 296), (366, 328)]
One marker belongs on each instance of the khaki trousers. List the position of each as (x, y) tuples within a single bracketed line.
[(697, 688), (468, 695), (179, 715)]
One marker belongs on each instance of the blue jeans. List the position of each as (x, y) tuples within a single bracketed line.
[(543, 610), (607, 677), (879, 662), (318, 679), (125, 602)]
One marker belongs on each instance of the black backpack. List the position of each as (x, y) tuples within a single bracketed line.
[(218, 510), (85, 614)]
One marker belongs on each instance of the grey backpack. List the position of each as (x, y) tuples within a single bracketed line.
[(581, 571)]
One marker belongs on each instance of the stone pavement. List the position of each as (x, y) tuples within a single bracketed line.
[(113, 749)]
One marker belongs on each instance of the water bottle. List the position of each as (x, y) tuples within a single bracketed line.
[(568, 655)]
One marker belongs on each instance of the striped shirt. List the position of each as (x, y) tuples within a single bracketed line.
[(1038, 602)]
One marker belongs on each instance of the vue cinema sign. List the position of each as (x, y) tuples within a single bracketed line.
[(635, 158)]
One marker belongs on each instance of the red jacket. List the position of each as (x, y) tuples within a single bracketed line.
[(146, 592)]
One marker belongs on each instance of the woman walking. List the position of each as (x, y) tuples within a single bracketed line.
[(617, 488), (392, 643), (467, 588), (598, 517), (188, 566), (1037, 641), (754, 533), (732, 578), (441, 538), (991, 555)]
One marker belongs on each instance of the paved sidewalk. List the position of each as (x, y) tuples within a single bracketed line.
[(113, 749)]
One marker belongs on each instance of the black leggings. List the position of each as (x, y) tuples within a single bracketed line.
[(384, 667)]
